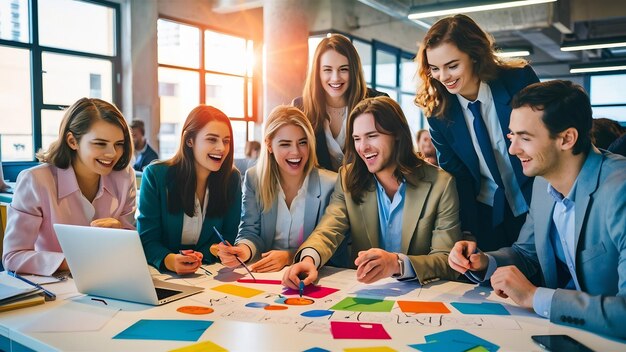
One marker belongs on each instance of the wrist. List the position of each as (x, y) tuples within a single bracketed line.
[(399, 267), (308, 259)]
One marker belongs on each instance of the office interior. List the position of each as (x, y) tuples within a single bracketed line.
[(157, 59)]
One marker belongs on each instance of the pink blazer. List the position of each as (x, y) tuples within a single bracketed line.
[(46, 195)]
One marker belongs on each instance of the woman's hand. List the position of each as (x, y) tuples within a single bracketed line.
[(272, 261), (227, 254), (183, 264), (107, 222)]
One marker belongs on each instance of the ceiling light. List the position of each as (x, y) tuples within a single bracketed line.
[(514, 52), (603, 66), (455, 7), (594, 44)]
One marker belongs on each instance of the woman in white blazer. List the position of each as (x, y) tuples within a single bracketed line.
[(284, 195)]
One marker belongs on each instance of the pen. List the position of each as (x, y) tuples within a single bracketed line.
[(236, 257), (49, 295), (182, 252), (301, 290)]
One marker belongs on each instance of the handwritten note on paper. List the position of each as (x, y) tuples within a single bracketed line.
[(245, 292)]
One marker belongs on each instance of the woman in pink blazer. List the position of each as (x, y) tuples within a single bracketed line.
[(84, 179)]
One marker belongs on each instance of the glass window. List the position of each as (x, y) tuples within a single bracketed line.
[(617, 113), (15, 104), (67, 78), (385, 69), (77, 25), (313, 43), (225, 53), (226, 94), (239, 137), (365, 53), (50, 122), (603, 89), (408, 75), (14, 20), (178, 44), (412, 113)]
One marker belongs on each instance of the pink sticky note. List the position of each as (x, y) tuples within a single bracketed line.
[(312, 291), (356, 330), (260, 281)]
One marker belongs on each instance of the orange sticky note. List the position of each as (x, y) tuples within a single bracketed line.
[(423, 307), (236, 290)]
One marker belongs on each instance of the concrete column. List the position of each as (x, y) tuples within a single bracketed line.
[(286, 33)]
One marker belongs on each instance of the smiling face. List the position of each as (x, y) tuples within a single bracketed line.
[(425, 144), (532, 144), (334, 76), (375, 148), (210, 147), (98, 150), (454, 69), (290, 149)]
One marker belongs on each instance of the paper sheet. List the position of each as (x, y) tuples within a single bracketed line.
[(71, 317)]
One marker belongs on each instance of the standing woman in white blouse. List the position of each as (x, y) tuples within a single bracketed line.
[(284, 195), (334, 86), (183, 198)]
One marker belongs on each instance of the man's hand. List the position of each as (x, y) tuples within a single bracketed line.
[(508, 281), (227, 254), (292, 275), (375, 264), (273, 260), (462, 257)]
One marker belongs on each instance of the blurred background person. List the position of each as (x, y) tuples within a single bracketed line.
[(425, 148), (144, 154), (605, 131)]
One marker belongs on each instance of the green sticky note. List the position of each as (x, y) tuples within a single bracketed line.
[(356, 304)]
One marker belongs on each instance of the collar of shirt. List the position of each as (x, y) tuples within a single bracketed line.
[(68, 184), (567, 202), (484, 95)]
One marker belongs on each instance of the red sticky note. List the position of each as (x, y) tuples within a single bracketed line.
[(260, 281), (423, 307), (356, 330), (312, 291)]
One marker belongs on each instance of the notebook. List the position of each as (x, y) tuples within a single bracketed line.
[(111, 263)]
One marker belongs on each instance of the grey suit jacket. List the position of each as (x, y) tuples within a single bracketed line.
[(600, 225), (259, 228)]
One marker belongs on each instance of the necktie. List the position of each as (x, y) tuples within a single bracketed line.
[(487, 151)]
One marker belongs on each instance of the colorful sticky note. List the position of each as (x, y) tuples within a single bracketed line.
[(357, 304), (260, 281), (316, 313), (257, 305), (443, 346), (356, 330), (481, 308), (175, 330), (316, 349), (205, 346), (423, 307), (462, 336), (236, 290), (312, 291), (370, 349)]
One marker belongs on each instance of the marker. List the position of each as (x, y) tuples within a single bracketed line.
[(301, 290), (236, 257)]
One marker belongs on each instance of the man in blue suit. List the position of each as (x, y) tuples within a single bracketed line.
[(573, 243)]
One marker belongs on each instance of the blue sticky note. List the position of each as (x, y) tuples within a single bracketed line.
[(175, 330), (461, 336), (316, 313), (443, 346), (481, 308), (316, 349)]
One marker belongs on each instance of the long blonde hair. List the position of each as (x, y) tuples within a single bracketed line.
[(466, 35), (266, 166)]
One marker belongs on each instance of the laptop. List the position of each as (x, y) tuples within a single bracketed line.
[(111, 263)]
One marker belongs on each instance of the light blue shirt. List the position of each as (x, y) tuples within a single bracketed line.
[(488, 186), (390, 225)]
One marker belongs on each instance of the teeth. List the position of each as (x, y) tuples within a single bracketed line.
[(369, 156), (335, 85), (105, 162), (451, 83), (215, 156), (294, 160)]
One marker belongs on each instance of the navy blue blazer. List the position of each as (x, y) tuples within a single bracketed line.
[(456, 152), (144, 159), (161, 231)]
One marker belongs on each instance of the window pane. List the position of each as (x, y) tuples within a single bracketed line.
[(50, 122), (412, 113), (225, 93), (408, 75), (617, 113), (365, 53), (225, 53), (385, 69), (15, 105), (391, 92), (14, 20), (313, 43), (179, 94), (603, 89), (77, 25), (67, 78), (239, 138), (179, 44)]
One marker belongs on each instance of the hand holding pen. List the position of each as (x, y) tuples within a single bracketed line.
[(233, 251), (198, 256), (466, 256)]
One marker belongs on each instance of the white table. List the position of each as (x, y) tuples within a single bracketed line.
[(242, 334)]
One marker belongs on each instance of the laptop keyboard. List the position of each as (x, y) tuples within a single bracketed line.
[(163, 293)]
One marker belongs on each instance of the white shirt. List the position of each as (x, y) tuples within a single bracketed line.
[(290, 220), (336, 144), (488, 186), (192, 226)]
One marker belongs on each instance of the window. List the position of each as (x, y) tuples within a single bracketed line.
[(607, 101), (201, 66), (48, 69)]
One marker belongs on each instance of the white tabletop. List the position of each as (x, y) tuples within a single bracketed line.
[(239, 328)]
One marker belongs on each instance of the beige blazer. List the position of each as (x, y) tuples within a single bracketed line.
[(430, 226)]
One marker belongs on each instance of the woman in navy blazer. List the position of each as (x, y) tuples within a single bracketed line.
[(465, 93), (284, 195), (183, 198)]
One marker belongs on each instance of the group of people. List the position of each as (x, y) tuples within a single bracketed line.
[(522, 200)]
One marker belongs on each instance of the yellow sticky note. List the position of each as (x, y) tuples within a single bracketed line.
[(240, 291), (370, 349), (205, 346), (478, 349)]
